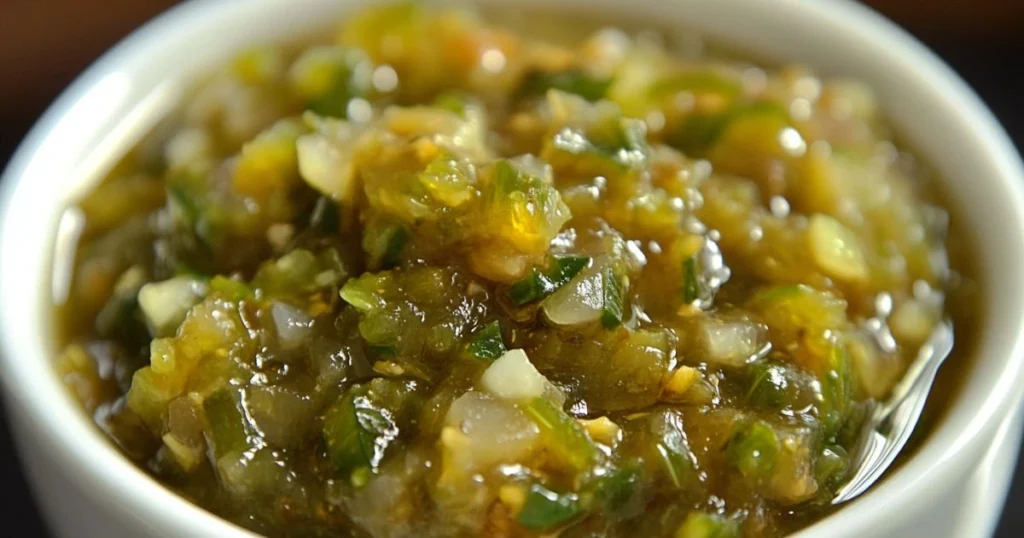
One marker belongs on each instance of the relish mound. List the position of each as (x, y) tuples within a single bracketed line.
[(442, 278)]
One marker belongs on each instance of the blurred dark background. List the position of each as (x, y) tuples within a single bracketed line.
[(45, 43)]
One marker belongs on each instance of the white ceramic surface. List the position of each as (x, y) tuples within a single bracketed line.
[(88, 489)]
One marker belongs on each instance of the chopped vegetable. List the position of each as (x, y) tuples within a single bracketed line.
[(487, 343), (513, 377), (363, 424), (545, 509), (679, 381), (539, 285), (705, 525), (612, 307), (732, 343), (753, 450), (835, 249), (672, 449), (571, 81), (579, 301), (620, 493), (691, 280), (228, 429), (483, 431), (563, 436), (164, 304)]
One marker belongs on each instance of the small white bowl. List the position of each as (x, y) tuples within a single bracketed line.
[(88, 489)]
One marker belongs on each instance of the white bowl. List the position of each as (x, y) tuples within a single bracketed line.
[(88, 489)]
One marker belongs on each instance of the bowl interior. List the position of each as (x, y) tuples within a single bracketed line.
[(124, 94)]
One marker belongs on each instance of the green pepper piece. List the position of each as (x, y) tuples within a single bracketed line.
[(230, 289), (696, 82), (570, 81), (771, 386), (564, 436), (228, 426), (671, 448), (753, 450), (836, 389), (700, 131), (361, 293), (452, 102), (705, 525), (831, 466), (545, 509), (620, 493)]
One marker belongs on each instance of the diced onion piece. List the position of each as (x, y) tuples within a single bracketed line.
[(876, 371), (912, 322), (513, 377), (293, 325), (326, 167), (186, 147), (165, 304), (835, 249), (482, 431), (578, 302), (731, 343)]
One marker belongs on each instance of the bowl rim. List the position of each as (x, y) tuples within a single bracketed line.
[(135, 495)]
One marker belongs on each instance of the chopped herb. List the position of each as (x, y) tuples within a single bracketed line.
[(611, 311), (486, 343), (545, 509), (357, 433), (182, 201), (691, 280), (566, 268), (620, 493), (325, 216), (396, 241), (539, 285)]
